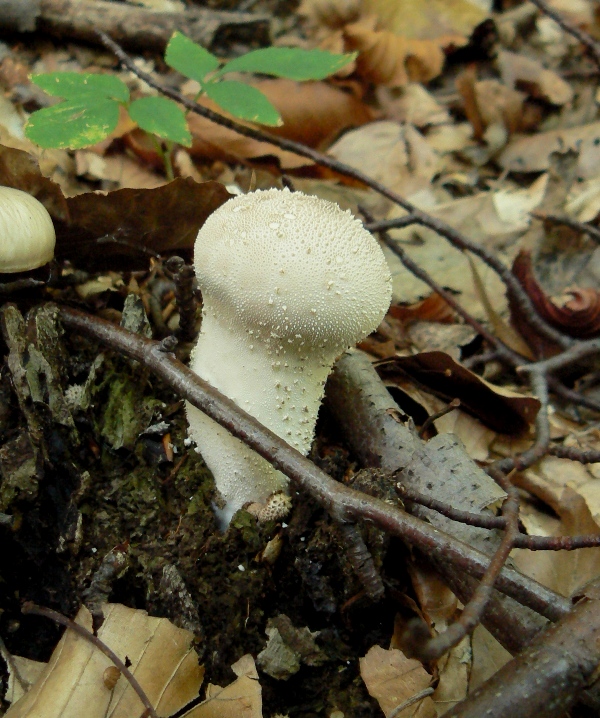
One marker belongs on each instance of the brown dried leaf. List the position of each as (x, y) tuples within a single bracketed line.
[(530, 75), (531, 153), (240, 699), (426, 19), (431, 309), (118, 230), (21, 170), (392, 678), (497, 408)]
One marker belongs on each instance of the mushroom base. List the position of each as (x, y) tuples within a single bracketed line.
[(240, 474)]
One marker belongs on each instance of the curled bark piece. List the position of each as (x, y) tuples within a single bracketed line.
[(578, 316), (132, 26)]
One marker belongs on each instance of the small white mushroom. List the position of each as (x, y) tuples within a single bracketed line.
[(289, 282), (27, 236)]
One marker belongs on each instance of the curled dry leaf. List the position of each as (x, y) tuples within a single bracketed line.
[(576, 312), (431, 309), (496, 407), (395, 60)]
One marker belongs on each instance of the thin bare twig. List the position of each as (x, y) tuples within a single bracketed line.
[(584, 227), (454, 404), (490, 522), (473, 611), (31, 609)]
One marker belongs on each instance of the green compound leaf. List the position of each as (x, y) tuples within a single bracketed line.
[(73, 124), (290, 62), (190, 59), (243, 101), (74, 85), (161, 116)]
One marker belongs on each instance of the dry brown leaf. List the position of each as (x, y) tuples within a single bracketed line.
[(427, 19), (397, 156), (531, 153), (329, 14), (313, 113), (128, 223), (392, 678), (499, 409), (528, 74), (488, 656), (120, 169), (566, 571), (412, 104), (489, 102), (72, 684), (393, 60), (431, 309), (240, 699)]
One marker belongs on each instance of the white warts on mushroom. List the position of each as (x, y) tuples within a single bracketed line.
[(27, 236), (289, 282)]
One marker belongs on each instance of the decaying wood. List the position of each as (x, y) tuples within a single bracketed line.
[(369, 418), (132, 26)]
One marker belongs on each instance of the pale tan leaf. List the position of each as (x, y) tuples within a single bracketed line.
[(392, 678), (240, 699), (72, 683)]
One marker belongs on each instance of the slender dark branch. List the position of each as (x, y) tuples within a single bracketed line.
[(490, 521), (583, 456), (584, 227), (384, 224), (454, 404), (33, 610), (343, 503), (513, 286), (569, 27), (570, 356), (571, 395), (539, 386), (473, 611)]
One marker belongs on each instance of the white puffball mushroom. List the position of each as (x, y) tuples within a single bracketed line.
[(27, 235), (289, 282)]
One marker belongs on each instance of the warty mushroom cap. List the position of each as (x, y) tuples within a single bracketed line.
[(27, 235), (293, 265)]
